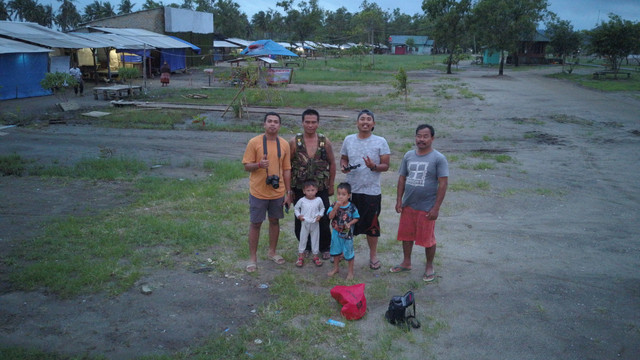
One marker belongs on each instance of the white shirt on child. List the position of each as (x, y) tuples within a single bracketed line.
[(310, 209)]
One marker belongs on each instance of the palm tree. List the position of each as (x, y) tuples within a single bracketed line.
[(125, 7), (4, 11), (68, 17)]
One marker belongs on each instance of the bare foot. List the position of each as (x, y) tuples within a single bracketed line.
[(349, 276), (332, 272)]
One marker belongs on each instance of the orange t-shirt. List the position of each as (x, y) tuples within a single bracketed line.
[(257, 179)]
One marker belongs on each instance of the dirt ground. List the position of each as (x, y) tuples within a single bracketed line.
[(542, 265)]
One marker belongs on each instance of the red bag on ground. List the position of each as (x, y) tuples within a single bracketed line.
[(353, 300)]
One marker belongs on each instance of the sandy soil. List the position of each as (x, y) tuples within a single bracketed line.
[(542, 265)]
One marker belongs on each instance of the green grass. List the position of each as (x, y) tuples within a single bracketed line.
[(140, 118), (167, 223), (100, 168), (12, 165), (469, 186), (107, 252), (609, 84)]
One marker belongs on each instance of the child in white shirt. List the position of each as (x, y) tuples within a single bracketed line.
[(309, 210)]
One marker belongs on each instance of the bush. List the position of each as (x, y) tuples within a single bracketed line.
[(58, 83)]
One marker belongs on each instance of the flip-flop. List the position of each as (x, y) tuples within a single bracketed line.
[(277, 259), (429, 277), (374, 265), (326, 255), (399, 268), (251, 267)]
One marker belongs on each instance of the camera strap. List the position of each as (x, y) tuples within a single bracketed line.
[(264, 145), (264, 150)]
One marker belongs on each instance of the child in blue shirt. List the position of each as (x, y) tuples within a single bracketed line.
[(343, 215)]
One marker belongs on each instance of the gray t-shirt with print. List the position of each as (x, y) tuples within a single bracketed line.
[(422, 173), (362, 179)]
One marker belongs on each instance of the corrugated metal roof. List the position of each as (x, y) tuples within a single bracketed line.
[(285, 44), (241, 42), (150, 38), (112, 40), (402, 39), (16, 47), (224, 44), (37, 34)]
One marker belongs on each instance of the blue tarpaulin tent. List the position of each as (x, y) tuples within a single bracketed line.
[(23, 66), (266, 47)]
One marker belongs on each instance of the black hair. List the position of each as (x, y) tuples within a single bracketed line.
[(310, 112), (345, 186), (274, 114), (310, 183), (423, 126), (368, 112)]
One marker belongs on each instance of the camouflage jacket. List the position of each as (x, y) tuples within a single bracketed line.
[(304, 167)]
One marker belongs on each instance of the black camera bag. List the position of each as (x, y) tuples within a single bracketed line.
[(399, 312)]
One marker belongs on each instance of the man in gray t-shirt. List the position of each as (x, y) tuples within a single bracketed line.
[(422, 185), (363, 157)]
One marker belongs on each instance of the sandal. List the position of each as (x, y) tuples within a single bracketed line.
[(300, 262), (326, 255), (428, 277), (251, 267), (317, 261), (277, 259), (374, 265)]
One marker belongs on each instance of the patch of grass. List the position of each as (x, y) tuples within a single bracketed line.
[(532, 121), (464, 185), (570, 119), (140, 118), (100, 168), (108, 251), (30, 354), (449, 91), (12, 165), (609, 84), (483, 165)]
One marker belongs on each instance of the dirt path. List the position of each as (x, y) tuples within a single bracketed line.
[(542, 264)]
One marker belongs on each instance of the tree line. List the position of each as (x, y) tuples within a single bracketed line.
[(455, 25)]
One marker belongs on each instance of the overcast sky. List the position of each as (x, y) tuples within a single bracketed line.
[(583, 14)]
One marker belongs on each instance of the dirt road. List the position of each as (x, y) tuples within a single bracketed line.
[(537, 259)]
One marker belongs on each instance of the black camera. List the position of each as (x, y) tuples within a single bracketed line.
[(273, 180), (350, 167)]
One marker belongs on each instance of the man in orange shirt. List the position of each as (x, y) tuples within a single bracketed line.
[(268, 160)]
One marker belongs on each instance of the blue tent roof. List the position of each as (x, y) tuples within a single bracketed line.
[(195, 48), (266, 47)]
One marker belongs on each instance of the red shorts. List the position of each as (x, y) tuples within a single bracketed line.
[(414, 226)]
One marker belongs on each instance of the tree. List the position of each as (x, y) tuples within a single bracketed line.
[(563, 39), (267, 25), (125, 7), (304, 23), (400, 24), (150, 4), (30, 10), (338, 26), (614, 40), (98, 10), (370, 24), (502, 24), (229, 20), (411, 44), (68, 17), (451, 21), (4, 11), (204, 6), (187, 4)]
